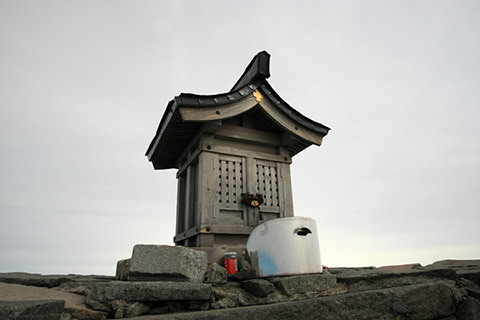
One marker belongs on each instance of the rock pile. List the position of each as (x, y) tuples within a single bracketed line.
[(446, 290)]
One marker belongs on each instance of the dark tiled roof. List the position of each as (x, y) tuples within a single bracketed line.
[(173, 134), (196, 100), (258, 68), (291, 112)]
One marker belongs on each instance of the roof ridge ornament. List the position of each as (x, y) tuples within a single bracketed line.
[(258, 68)]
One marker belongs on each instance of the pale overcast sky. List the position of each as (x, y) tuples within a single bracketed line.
[(83, 85)]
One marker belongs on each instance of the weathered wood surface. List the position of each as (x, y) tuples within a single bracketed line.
[(248, 135), (216, 172), (218, 112)]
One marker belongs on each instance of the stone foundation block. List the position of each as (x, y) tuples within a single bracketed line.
[(162, 262), (149, 291), (258, 287), (436, 300), (123, 268), (305, 283)]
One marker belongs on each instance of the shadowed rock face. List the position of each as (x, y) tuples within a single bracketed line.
[(26, 310), (150, 291), (439, 302), (258, 287), (447, 290), (469, 308)]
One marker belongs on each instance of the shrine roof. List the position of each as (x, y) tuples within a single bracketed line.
[(186, 113)]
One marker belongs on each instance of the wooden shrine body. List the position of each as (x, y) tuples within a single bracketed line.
[(233, 154), (231, 158)]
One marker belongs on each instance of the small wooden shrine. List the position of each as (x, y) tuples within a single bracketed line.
[(233, 153)]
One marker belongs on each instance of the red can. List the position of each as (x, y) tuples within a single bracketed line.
[(231, 262)]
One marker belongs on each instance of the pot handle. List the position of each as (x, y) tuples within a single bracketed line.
[(302, 231)]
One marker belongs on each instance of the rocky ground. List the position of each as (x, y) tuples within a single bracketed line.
[(445, 290)]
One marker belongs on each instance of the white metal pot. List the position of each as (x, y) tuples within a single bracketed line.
[(285, 246)]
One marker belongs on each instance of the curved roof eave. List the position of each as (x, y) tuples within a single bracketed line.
[(188, 100), (289, 111), (195, 100), (171, 107)]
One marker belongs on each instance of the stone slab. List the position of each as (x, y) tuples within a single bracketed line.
[(162, 262), (123, 268), (385, 279), (454, 264), (48, 281), (438, 301), (17, 292), (31, 310), (305, 283), (258, 287), (355, 274), (34, 279), (74, 303), (469, 269), (150, 291)]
